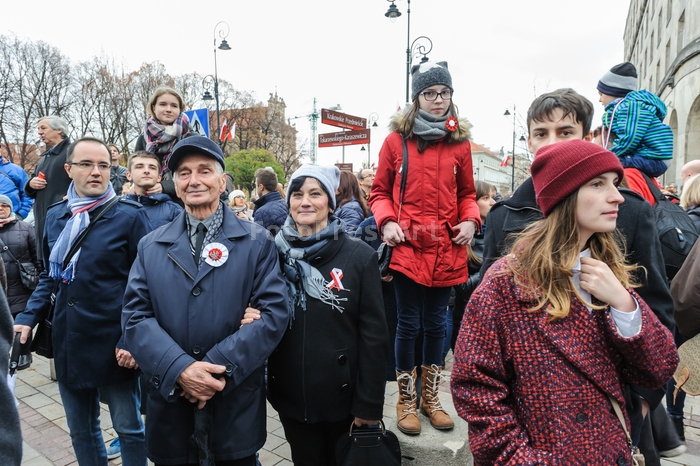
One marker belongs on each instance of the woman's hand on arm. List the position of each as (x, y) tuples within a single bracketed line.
[(597, 279), (393, 234), (250, 316)]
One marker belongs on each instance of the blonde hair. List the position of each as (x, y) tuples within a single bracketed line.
[(691, 192), (160, 91), (547, 251)]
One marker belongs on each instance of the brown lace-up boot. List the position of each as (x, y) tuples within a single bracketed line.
[(429, 401), (406, 416)]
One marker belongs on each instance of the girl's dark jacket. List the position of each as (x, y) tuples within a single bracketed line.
[(331, 365)]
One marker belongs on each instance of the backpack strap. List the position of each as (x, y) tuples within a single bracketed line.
[(655, 191)]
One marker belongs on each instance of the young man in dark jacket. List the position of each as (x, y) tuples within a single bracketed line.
[(270, 209), (557, 116), (143, 170)]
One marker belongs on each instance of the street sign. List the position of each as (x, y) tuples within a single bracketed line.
[(344, 166), (342, 120), (199, 121), (345, 138)]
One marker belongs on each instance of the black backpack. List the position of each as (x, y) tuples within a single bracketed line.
[(676, 230)]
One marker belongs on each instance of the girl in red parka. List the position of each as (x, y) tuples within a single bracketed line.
[(554, 330), (428, 230)]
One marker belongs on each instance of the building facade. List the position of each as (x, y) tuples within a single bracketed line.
[(662, 40)]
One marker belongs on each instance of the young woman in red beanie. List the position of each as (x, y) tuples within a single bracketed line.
[(428, 225), (555, 330)]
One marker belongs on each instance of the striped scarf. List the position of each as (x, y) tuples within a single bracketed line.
[(160, 139), (80, 208)]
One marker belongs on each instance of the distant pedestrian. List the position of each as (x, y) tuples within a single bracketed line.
[(237, 203), (270, 208), (19, 238), (351, 208), (49, 182), (117, 174)]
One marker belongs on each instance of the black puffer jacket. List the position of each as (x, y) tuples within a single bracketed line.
[(20, 238)]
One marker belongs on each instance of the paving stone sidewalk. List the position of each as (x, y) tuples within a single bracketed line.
[(46, 441)]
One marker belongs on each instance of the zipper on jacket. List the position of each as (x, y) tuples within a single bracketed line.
[(181, 267), (303, 374)]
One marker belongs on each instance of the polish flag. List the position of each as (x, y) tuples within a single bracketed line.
[(224, 130), (505, 160), (232, 133)]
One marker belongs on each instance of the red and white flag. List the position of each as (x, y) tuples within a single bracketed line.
[(505, 160), (224, 130), (232, 133)]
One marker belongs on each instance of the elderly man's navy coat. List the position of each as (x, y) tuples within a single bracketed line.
[(87, 316), (175, 314)]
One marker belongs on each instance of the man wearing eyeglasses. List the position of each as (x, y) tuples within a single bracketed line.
[(87, 336)]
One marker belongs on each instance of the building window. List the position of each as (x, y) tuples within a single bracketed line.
[(668, 55), (668, 11), (658, 32), (659, 76)]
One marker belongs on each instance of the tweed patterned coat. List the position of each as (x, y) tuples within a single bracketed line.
[(535, 392)]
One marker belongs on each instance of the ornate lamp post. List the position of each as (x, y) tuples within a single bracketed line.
[(221, 30), (371, 123), (421, 46)]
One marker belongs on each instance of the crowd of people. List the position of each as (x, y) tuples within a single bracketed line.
[(177, 296)]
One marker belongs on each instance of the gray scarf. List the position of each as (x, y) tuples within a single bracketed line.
[(303, 279), (430, 127)]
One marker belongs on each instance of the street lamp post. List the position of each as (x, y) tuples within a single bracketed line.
[(221, 30), (512, 180), (415, 48), (371, 123)]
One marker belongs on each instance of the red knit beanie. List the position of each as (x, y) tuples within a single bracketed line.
[(561, 169)]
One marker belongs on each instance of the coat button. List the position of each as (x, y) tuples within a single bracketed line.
[(71, 302), (342, 359), (229, 369), (621, 461), (581, 417), (196, 350), (197, 291), (156, 380)]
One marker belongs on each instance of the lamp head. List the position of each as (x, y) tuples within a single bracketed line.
[(393, 12), (224, 45)]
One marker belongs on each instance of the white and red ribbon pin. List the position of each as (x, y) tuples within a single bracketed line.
[(336, 276), (215, 254)]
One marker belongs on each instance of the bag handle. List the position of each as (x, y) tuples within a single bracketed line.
[(621, 418), (404, 175), (352, 425), (76, 245), (6, 248)]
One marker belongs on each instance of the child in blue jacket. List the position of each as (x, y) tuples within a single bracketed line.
[(633, 122)]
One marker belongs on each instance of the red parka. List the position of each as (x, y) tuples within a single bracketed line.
[(439, 194)]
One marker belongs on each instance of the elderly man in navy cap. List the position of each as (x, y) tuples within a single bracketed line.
[(186, 296)]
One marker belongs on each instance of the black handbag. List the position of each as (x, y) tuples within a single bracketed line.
[(384, 251), (43, 339), (368, 446), (27, 271)]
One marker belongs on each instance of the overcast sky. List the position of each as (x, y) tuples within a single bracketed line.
[(501, 53)]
